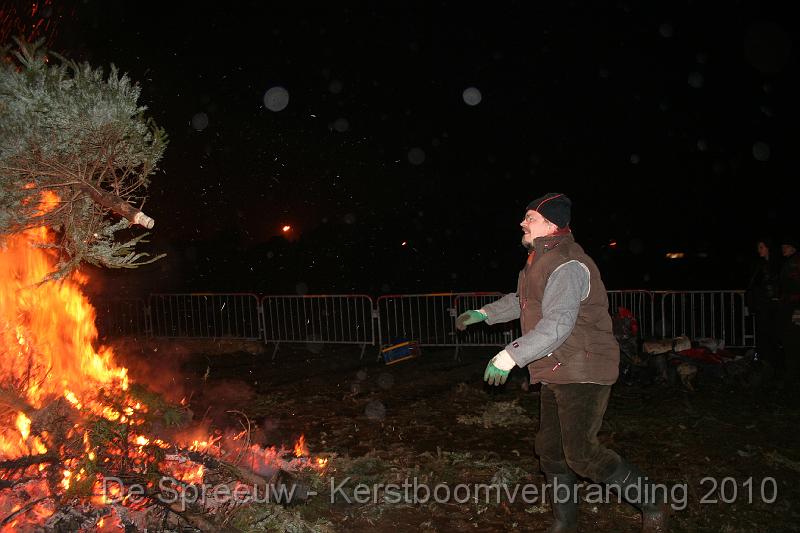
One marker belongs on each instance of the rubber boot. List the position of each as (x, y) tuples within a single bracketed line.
[(565, 510), (652, 504)]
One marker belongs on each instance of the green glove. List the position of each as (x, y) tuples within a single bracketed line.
[(498, 369), (469, 317)]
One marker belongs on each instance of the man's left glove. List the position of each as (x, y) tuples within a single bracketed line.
[(498, 369), (470, 317)]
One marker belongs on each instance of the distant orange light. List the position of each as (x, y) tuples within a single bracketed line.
[(403, 243), (286, 228), (612, 244)]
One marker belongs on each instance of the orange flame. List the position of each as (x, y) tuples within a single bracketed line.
[(47, 335), (48, 328), (300, 448)]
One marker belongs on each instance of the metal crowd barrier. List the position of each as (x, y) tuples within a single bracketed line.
[(122, 317), (706, 314), (336, 319), (428, 319), (425, 318), (206, 316)]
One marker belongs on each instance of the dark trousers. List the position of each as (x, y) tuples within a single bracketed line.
[(790, 338), (571, 416), (769, 323)]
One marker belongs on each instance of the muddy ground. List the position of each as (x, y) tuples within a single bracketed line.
[(728, 450)]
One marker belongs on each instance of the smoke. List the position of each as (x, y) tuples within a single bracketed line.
[(221, 399), (158, 366)]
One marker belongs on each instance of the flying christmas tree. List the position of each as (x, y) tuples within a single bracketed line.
[(76, 135)]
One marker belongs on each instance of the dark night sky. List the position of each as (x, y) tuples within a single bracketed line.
[(654, 120)]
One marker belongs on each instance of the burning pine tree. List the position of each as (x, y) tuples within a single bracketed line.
[(76, 152)]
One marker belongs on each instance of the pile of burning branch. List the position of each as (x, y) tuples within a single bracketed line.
[(90, 470), (83, 448)]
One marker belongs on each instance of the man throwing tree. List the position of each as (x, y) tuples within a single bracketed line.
[(568, 345)]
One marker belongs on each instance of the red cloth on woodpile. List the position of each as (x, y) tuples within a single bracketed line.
[(702, 354)]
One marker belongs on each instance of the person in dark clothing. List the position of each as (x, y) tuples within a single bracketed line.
[(568, 345), (790, 304), (763, 301)]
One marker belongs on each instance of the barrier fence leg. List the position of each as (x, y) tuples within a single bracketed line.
[(363, 347), (275, 351), (262, 327), (148, 322)]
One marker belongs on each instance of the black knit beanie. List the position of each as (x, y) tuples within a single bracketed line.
[(553, 206)]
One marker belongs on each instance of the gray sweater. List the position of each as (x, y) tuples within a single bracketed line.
[(567, 286)]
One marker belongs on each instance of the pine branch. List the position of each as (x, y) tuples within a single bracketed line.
[(74, 130)]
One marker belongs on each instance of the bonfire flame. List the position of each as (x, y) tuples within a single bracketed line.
[(48, 329), (67, 415)]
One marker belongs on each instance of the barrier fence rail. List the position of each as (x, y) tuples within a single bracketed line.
[(122, 316), (483, 334), (707, 314), (425, 318), (327, 318), (428, 319), (205, 316)]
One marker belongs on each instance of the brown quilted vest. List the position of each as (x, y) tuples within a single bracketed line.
[(591, 353)]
